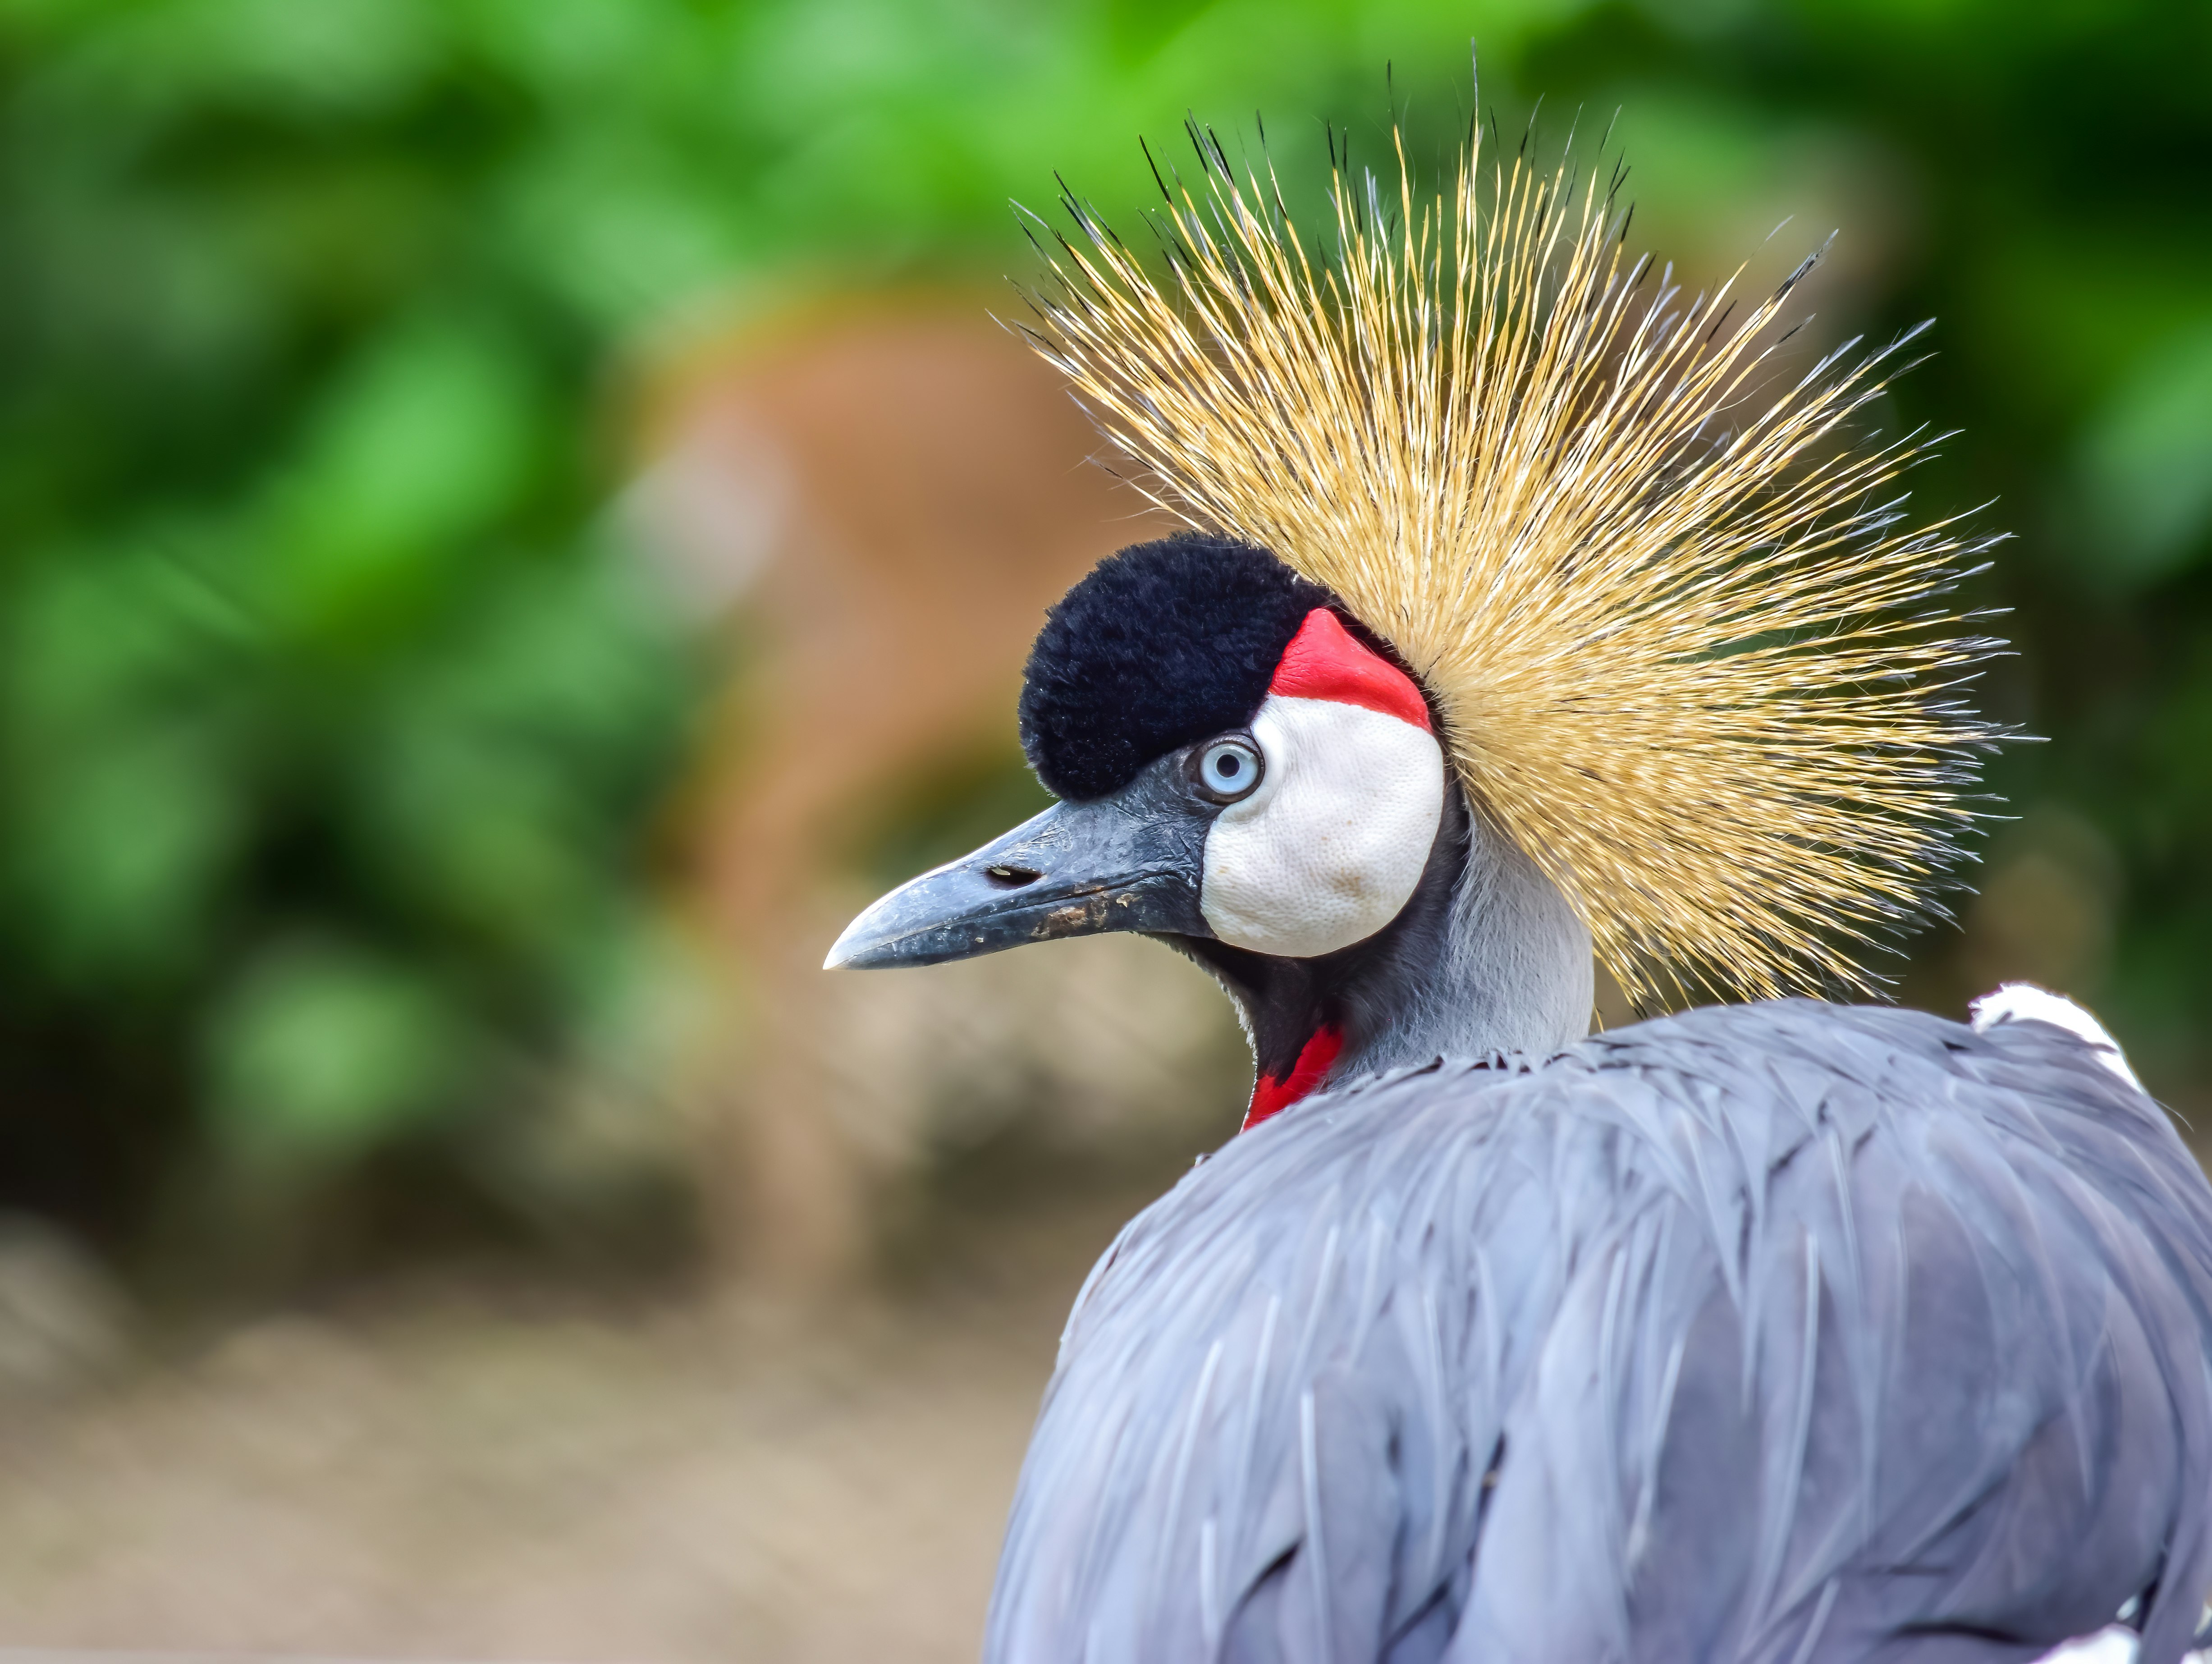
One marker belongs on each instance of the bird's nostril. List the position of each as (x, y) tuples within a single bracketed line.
[(1011, 877)]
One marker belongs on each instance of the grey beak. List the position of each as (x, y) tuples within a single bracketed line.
[(1131, 861)]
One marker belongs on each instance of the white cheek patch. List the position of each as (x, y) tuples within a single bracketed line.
[(1329, 847)]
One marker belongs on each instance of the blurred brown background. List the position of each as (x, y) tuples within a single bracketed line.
[(519, 518)]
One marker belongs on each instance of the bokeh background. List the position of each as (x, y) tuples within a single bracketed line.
[(516, 518)]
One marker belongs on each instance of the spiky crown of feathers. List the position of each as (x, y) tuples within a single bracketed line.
[(1688, 655)]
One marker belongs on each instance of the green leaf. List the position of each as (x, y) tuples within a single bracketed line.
[(324, 1051), (423, 445), (123, 762), (2145, 466)]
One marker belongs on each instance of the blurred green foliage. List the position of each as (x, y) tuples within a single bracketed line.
[(332, 718)]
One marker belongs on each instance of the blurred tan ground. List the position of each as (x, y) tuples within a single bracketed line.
[(469, 1477)]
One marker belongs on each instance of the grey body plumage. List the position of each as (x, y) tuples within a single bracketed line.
[(1786, 1331)]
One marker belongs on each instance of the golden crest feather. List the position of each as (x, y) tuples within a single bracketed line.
[(1688, 655)]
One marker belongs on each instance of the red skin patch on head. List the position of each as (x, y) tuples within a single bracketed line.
[(1324, 662), (1316, 1058)]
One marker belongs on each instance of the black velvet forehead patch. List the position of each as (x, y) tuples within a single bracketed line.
[(1161, 644)]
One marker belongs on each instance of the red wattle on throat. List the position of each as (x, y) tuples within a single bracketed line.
[(1271, 1097), (1324, 662)]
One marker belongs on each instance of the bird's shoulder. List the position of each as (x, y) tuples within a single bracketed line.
[(1718, 1100)]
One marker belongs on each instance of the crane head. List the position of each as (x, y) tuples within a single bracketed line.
[(1244, 770), (1237, 759)]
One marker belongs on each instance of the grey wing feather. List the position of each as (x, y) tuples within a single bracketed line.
[(1786, 1331)]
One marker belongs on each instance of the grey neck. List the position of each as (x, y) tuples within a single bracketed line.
[(1510, 971), (1487, 956)]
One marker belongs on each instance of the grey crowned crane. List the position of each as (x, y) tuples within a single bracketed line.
[(1526, 612)]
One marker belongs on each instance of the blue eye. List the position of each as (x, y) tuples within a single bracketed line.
[(1228, 769)]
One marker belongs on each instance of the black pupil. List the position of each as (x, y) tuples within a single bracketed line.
[(1227, 765)]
